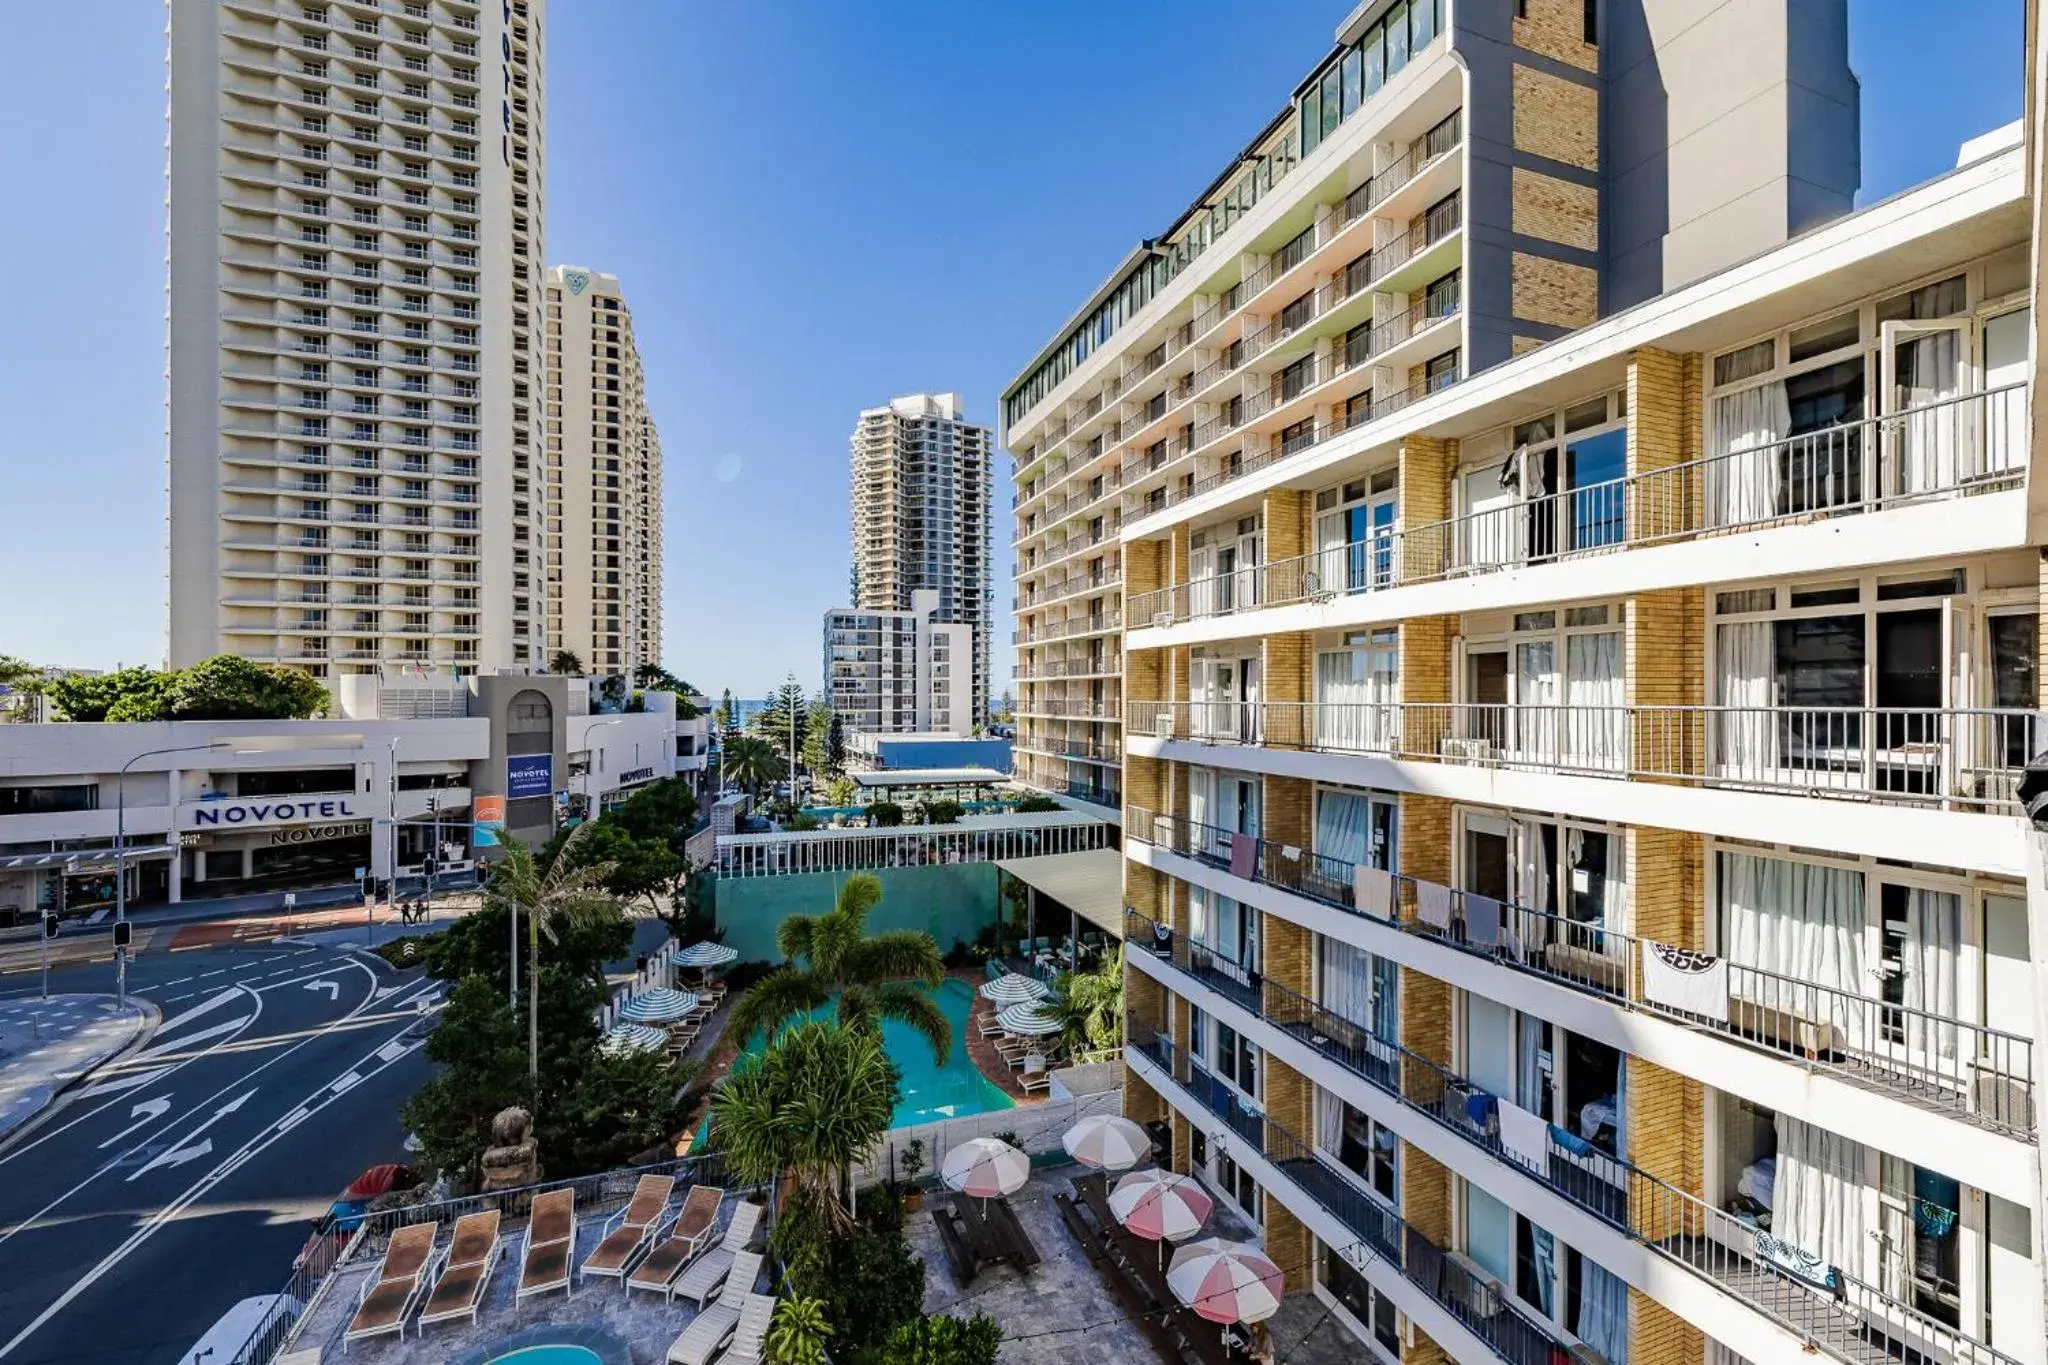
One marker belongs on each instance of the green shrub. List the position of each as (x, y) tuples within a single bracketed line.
[(1035, 803), (885, 814), (939, 1340)]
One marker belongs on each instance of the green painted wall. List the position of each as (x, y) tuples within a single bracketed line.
[(947, 901)]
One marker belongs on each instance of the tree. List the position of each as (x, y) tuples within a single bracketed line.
[(812, 1103), (884, 814), (566, 898), (1090, 1005), (819, 724), (940, 811), (725, 717), (842, 792), (874, 976), (1035, 803), (476, 1044), (773, 723), (1005, 709), (566, 662), (654, 678), (798, 1332), (224, 687), (939, 1340), (752, 762)]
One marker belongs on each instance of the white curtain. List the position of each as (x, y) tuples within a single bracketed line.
[(1330, 552), (1535, 736), (1929, 370), (1742, 481), (1819, 1202), (1353, 710), (1532, 866), (1347, 981), (1746, 730), (1934, 930), (1201, 583), (1804, 922), (1603, 1311), (1340, 826), (1597, 737), (1529, 1065), (1329, 1122)]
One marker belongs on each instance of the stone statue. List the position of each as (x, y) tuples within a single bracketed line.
[(514, 1159)]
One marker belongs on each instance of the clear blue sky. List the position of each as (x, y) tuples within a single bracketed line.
[(813, 205)]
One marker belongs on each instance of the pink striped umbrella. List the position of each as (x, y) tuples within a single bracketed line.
[(1226, 1281), (1158, 1205)]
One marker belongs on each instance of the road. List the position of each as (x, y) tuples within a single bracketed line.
[(185, 1177)]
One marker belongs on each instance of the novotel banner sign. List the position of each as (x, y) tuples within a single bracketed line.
[(287, 810)]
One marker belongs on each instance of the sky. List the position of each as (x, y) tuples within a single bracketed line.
[(812, 205)]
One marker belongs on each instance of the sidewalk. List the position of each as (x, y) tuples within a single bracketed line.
[(47, 1045)]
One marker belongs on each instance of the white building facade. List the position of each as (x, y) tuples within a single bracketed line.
[(900, 672), (356, 198)]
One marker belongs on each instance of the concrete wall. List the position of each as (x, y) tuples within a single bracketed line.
[(950, 901)]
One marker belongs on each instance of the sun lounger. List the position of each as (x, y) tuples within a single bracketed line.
[(711, 1328), (747, 1338), (388, 1296), (465, 1270), (684, 1237), (631, 1228), (708, 1272), (1035, 1077), (988, 1026), (550, 1242)]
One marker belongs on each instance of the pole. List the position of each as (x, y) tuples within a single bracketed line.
[(43, 952), (121, 877), (391, 811)]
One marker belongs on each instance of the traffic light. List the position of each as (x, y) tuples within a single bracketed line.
[(49, 926), (124, 933), (428, 867)]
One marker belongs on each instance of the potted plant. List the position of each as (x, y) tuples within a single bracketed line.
[(910, 1161)]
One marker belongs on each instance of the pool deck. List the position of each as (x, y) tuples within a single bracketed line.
[(643, 1324), (1064, 1311)]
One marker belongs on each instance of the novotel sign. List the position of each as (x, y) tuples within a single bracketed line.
[(295, 810)]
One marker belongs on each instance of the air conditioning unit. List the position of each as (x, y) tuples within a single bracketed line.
[(1459, 750), (1482, 1294), (1161, 619)]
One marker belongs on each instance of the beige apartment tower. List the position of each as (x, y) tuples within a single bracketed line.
[(603, 467), (355, 224), (921, 490)]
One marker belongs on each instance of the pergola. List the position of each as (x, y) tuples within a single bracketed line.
[(1090, 884)]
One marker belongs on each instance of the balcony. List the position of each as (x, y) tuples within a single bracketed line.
[(1976, 1074), (1852, 1321), (1958, 447)]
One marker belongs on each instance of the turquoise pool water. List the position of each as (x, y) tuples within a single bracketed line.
[(932, 1092), (550, 1355)]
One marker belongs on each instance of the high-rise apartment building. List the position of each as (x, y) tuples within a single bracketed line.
[(603, 468), (921, 489), (1578, 896), (1451, 186), (356, 193), (899, 672)]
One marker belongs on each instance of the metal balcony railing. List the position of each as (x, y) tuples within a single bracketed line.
[(1966, 1070)]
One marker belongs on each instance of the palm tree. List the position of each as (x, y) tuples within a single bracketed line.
[(750, 761), (1090, 1005), (807, 1108), (565, 661), (562, 897), (875, 976)]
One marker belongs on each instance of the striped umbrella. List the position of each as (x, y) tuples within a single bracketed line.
[(705, 954), (1014, 989), (1159, 1204), (985, 1168), (1029, 1020), (1226, 1281), (658, 1006), (633, 1038), (1108, 1142)]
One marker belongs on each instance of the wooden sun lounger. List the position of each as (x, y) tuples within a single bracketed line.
[(388, 1296), (465, 1269), (1035, 1077), (631, 1228), (709, 1271), (686, 1236), (550, 1243), (713, 1327)]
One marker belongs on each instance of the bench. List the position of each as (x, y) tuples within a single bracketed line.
[(958, 1254)]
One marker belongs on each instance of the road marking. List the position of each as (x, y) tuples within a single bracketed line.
[(156, 1049), (175, 1158), (332, 987), (144, 1114), (189, 1015), (391, 1051), (172, 1208), (218, 971), (120, 1083), (348, 1082)]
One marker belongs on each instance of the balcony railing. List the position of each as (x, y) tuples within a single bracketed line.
[(1956, 447), (1959, 758), (1966, 1070), (1847, 1319)]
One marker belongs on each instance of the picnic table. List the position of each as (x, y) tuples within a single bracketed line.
[(993, 1232), (1127, 1254)]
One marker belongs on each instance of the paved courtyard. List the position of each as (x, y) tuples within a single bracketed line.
[(1064, 1310)]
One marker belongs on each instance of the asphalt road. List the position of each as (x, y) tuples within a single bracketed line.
[(186, 1177)]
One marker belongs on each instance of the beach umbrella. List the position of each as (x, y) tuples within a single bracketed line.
[(633, 1038), (705, 954), (986, 1168), (1226, 1281), (1028, 1020), (1160, 1205), (1014, 989), (1108, 1142), (658, 1006)]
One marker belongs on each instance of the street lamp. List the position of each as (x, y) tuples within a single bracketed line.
[(121, 848)]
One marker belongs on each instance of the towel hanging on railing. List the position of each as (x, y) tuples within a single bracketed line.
[(1687, 981)]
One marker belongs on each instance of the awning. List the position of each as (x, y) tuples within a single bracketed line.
[(1090, 883), (931, 777), (84, 860)]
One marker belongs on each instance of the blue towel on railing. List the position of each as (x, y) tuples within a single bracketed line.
[(1479, 1109), (1799, 1262), (1570, 1141)]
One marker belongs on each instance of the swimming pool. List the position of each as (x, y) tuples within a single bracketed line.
[(932, 1092), (550, 1355)]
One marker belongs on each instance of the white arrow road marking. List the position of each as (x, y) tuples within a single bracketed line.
[(333, 988), (185, 1017), (120, 1083), (177, 1205), (383, 991), (177, 1156), (184, 1151), (156, 1049), (144, 1114)]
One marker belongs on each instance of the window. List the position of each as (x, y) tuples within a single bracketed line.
[(1360, 1146), (1373, 1310), (51, 800)]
